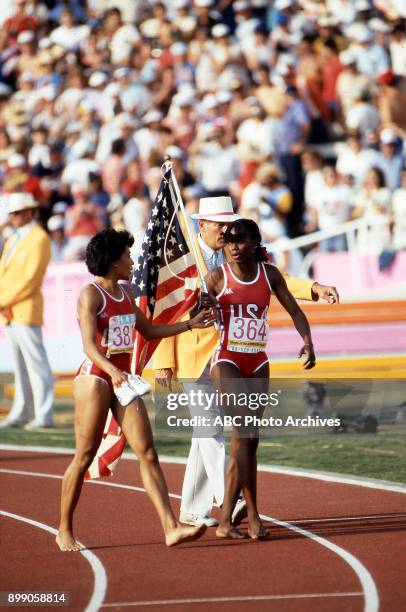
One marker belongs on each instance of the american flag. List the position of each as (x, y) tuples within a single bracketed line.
[(164, 283), (165, 276)]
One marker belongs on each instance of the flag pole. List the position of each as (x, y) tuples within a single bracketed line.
[(187, 226)]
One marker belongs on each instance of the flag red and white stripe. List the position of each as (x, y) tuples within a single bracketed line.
[(165, 285)]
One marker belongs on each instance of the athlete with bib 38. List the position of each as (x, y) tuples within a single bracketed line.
[(107, 317), (242, 290)]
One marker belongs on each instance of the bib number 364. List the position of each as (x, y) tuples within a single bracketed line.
[(247, 335)]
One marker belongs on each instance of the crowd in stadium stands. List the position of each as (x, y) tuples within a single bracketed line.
[(295, 108)]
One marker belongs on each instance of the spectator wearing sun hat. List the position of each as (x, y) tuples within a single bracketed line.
[(371, 58), (22, 268), (182, 119), (18, 178), (267, 200), (350, 82), (56, 228), (216, 160), (82, 221), (28, 58), (390, 158)]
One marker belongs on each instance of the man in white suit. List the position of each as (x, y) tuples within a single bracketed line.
[(22, 269)]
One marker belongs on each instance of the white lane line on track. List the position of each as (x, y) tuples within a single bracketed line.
[(107, 483), (91, 482), (358, 481), (368, 585), (174, 602), (100, 578)]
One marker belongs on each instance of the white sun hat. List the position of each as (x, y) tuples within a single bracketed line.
[(152, 116), (97, 78), (388, 136), (174, 152), (219, 209), (26, 36), (16, 160), (55, 223), (220, 30), (20, 201)]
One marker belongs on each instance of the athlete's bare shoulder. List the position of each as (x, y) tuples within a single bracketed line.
[(90, 298), (273, 273), (215, 280)]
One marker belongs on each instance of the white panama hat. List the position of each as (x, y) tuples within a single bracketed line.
[(219, 209), (16, 160), (20, 201), (55, 223)]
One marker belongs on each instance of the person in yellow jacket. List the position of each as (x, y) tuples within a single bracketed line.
[(23, 265), (187, 356)]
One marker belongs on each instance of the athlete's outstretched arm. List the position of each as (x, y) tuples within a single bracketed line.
[(203, 319), (299, 319)]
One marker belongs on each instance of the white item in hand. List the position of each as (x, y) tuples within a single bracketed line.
[(141, 386), (133, 387)]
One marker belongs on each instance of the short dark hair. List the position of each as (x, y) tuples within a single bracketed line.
[(247, 227), (105, 248), (380, 175), (118, 147)]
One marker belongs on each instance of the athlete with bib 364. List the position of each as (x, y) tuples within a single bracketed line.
[(242, 290)]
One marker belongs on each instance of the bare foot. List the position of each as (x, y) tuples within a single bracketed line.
[(184, 533), (67, 542), (230, 532), (257, 531)]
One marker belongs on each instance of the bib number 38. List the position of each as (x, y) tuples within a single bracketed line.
[(120, 334)]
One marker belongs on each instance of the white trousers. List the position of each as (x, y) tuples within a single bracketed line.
[(205, 468), (33, 396)]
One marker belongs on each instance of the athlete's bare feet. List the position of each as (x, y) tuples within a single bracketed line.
[(67, 542), (184, 533), (229, 532), (257, 531)]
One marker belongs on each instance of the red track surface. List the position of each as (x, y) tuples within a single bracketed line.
[(121, 529)]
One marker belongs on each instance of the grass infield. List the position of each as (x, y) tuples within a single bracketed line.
[(381, 455)]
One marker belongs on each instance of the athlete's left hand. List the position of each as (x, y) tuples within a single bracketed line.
[(307, 350), (325, 292)]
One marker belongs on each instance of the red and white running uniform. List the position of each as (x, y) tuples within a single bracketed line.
[(115, 334), (244, 330)]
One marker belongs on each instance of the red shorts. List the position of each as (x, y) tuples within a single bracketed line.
[(247, 363), (89, 368)]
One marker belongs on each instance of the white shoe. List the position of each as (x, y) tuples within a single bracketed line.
[(7, 422), (33, 425), (197, 519), (239, 512)]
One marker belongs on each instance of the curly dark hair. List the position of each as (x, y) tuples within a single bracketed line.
[(105, 248), (247, 228)]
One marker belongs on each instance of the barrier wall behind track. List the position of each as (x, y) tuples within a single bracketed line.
[(64, 281)]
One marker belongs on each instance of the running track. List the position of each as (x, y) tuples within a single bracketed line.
[(334, 546)]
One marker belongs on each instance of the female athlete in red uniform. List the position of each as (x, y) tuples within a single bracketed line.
[(242, 290), (107, 317)]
